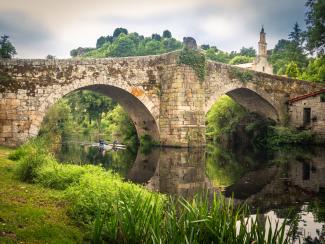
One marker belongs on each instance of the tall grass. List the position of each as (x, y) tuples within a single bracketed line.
[(116, 211)]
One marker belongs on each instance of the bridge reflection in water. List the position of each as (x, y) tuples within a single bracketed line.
[(290, 181)]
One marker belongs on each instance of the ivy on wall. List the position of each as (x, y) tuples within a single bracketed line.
[(242, 75), (195, 60)]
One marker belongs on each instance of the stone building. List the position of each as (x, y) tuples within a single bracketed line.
[(260, 63), (308, 112)]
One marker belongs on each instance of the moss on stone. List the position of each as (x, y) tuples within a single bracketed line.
[(195, 60), (242, 75)]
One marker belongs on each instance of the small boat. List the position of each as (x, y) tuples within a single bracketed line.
[(109, 146)]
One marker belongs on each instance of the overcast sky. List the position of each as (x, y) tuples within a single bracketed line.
[(41, 27)]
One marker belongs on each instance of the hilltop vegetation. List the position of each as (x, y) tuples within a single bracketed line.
[(124, 44)]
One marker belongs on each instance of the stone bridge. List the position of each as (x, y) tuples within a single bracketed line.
[(164, 99)]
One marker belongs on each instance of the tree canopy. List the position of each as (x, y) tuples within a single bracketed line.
[(7, 50)]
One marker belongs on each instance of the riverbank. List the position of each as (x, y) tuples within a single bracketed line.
[(110, 210), (30, 213)]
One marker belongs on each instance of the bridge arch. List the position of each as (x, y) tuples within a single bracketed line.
[(138, 106), (254, 100)]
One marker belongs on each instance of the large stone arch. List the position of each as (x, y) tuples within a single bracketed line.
[(137, 106), (250, 97)]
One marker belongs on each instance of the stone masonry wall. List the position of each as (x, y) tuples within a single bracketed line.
[(182, 117), (317, 123), (165, 99)]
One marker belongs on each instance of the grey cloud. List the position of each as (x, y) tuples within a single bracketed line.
[(22, 29)]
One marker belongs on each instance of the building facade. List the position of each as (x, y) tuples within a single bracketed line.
[(308, 112)]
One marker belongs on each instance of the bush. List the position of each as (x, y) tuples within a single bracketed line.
[(278, 136), (33, 146), (61, 176), (30, 164)]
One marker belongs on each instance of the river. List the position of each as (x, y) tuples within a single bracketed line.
[(289, 182)]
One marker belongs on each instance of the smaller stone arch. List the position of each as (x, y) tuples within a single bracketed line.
[(253, 100)]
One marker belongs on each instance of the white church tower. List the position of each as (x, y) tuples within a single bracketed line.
[(260, 63)]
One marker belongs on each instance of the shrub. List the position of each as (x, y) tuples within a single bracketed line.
[(30, 164), (278, 136), (33, 146), (61, 176)]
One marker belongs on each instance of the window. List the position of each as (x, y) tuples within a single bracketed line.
[(263, 68), (305, 171), (307, 116), (322, 97)]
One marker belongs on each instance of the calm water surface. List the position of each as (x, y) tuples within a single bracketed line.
[(290, 182)]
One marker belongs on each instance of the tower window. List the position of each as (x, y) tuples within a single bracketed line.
[(263, 68)]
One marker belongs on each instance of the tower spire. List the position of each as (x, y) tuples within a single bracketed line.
[(262, 50)]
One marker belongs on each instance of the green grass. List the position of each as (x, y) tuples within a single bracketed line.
[(30, 213)]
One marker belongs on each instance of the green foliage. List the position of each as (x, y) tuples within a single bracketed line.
[(243, 75), (315, 71), (315, 26), (118, 31), (119, 125), (195, 60), (58, 123), (80, 51), (292, 70), (287, 51), (61, 176), (218, 55), (241, 60), (278, 136), (156, 37), (223, 117), (7, 50), (167, 34), (32, 161), (123, 44), (221, 167), (250, 52)]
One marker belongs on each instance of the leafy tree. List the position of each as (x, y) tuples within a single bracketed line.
[(7, 50), (250, 52), (123, 46), (205, 46), (286, 51), (241, 60), (80, 51), (223, 117), (171, 44), (153, 47), (315, 71), (120, 125), (58, 122), (49, 56), (119, 31), (292, 70), (296, 36), (156, 37), (315, 22), (101, 41), (218, 56), (167, 34), (91, 106)]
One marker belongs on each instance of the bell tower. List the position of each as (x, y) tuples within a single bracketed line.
[(260, 63), (262, 48)]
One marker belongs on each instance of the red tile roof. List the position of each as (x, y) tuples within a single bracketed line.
[(291, 101)]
